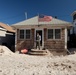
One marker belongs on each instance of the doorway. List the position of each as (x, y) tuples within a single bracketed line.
[(40, 33)]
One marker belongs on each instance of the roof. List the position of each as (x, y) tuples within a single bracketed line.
[(8, 28), (2, 29), (34, 21)]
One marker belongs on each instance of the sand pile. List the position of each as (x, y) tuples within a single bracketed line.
[(21, 64), (5, 50)]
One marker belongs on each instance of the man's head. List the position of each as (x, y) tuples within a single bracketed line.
[(37, 33)]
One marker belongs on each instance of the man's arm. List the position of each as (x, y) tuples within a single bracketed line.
[(40, 38)]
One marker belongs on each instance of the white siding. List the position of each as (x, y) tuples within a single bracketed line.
[(2, 33)]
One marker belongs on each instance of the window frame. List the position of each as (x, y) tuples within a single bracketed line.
[(19, 33), (25, 34), (60, 35), (54, 34), (48, 35), (29, 34)]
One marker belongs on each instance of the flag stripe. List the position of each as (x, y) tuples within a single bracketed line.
[(43, 18)]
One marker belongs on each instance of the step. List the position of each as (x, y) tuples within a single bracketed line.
[(38, 52), (35, 53)]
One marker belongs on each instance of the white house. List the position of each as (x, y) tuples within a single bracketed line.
[(73, 29), (7, 36)]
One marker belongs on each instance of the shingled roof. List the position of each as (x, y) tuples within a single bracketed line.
[(34, 21), (7, 27)]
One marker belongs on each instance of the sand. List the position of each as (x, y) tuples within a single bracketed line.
[(23, 64)]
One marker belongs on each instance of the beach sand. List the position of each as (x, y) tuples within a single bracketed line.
[(23, 64)]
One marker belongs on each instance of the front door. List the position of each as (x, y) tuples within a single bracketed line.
[(41, 33)]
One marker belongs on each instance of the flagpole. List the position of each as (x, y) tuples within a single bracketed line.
[(38, 19)]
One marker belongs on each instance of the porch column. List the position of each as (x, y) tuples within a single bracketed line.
[(15, 40), (16, 37), (65, 38), (45, 36), (33, 37)]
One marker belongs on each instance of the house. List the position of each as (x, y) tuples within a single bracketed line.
[(72, 32), (73, 29), (53, 33), (7, 36)]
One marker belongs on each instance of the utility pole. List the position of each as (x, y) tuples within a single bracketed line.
[(26, 15)]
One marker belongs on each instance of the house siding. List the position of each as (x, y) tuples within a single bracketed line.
[(2, 33), (23, 43), (54, 44)]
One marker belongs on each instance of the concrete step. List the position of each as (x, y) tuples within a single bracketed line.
[(38, 52), (35, 53)]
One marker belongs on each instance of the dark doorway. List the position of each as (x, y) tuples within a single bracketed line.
[(72, 41), (40, 33)]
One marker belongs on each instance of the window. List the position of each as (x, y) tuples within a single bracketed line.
[(21, 34), (50, 33), (74, 17), (25, 34), (54, 34), (57, 34)]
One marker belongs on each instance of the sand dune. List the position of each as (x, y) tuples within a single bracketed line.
[(21, 64)]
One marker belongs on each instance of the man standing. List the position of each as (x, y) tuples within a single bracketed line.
[(38, 39)]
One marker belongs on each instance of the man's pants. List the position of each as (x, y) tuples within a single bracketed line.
[(38, 44)]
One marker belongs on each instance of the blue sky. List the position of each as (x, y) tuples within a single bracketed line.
[(13, 11)]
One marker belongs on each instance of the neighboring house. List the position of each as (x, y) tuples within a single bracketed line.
[(53, 34), (73, 30), (7, 36)]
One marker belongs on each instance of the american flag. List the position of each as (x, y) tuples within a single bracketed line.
[(44, 18)]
